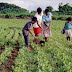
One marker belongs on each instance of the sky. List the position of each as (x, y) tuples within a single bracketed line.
[(34, 4)]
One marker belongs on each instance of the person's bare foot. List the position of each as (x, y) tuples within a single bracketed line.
[(30, 49)]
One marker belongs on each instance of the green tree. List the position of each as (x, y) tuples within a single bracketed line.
[(11, 8), (65, 9)]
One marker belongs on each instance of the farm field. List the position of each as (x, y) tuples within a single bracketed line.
[(54, 56)]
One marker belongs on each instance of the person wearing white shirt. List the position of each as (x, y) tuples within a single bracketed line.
[(38, 26)]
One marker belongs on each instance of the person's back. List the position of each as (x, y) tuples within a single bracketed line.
[(27, 25), (68, 26), (46, 19)]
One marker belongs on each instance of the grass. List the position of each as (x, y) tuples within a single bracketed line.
[(55, 56)]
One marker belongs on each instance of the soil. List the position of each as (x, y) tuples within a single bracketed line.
[(2, 49), (7, 65)]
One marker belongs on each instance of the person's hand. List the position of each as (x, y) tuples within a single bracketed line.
[(47, 25), (35, 37), (41, 28)]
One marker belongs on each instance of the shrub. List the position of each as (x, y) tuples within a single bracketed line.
[(9, 16)]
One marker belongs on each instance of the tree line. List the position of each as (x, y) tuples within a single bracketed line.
[(12, 11)]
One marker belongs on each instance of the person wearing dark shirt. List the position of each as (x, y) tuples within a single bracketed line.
[(26, 30)]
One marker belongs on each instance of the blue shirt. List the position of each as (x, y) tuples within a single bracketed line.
[(68, 26), (46, 18)]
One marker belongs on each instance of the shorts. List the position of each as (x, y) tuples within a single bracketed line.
[(68, 33), (37, 30)]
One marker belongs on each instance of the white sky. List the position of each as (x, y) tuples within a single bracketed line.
[(33, 4)]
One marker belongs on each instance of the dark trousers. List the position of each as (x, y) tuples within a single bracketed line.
[(26, 37)]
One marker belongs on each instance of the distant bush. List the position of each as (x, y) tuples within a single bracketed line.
[(10, 16), (25, 15), (33, 13), (60, 17), (2, 15), (13, 11)]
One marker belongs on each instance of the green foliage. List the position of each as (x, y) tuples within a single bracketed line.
[(55, 56), (55, 12), (6, 8), (3, 56), (33, 13), (61, 17), (9, 16), (13, 11), (65, 9)]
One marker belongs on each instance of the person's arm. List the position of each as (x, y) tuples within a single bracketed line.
[(46, 24), (71, 22), (42, 25), (50, 18), (49, 24), (31, 33), (38, 24)]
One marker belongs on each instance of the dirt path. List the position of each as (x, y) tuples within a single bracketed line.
[(7, 65), (2, 49)]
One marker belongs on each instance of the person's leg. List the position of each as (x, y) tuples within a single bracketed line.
[(36, 35), (45, 39), (67, 38), (26, 41), (70, 34), (25, 34)]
